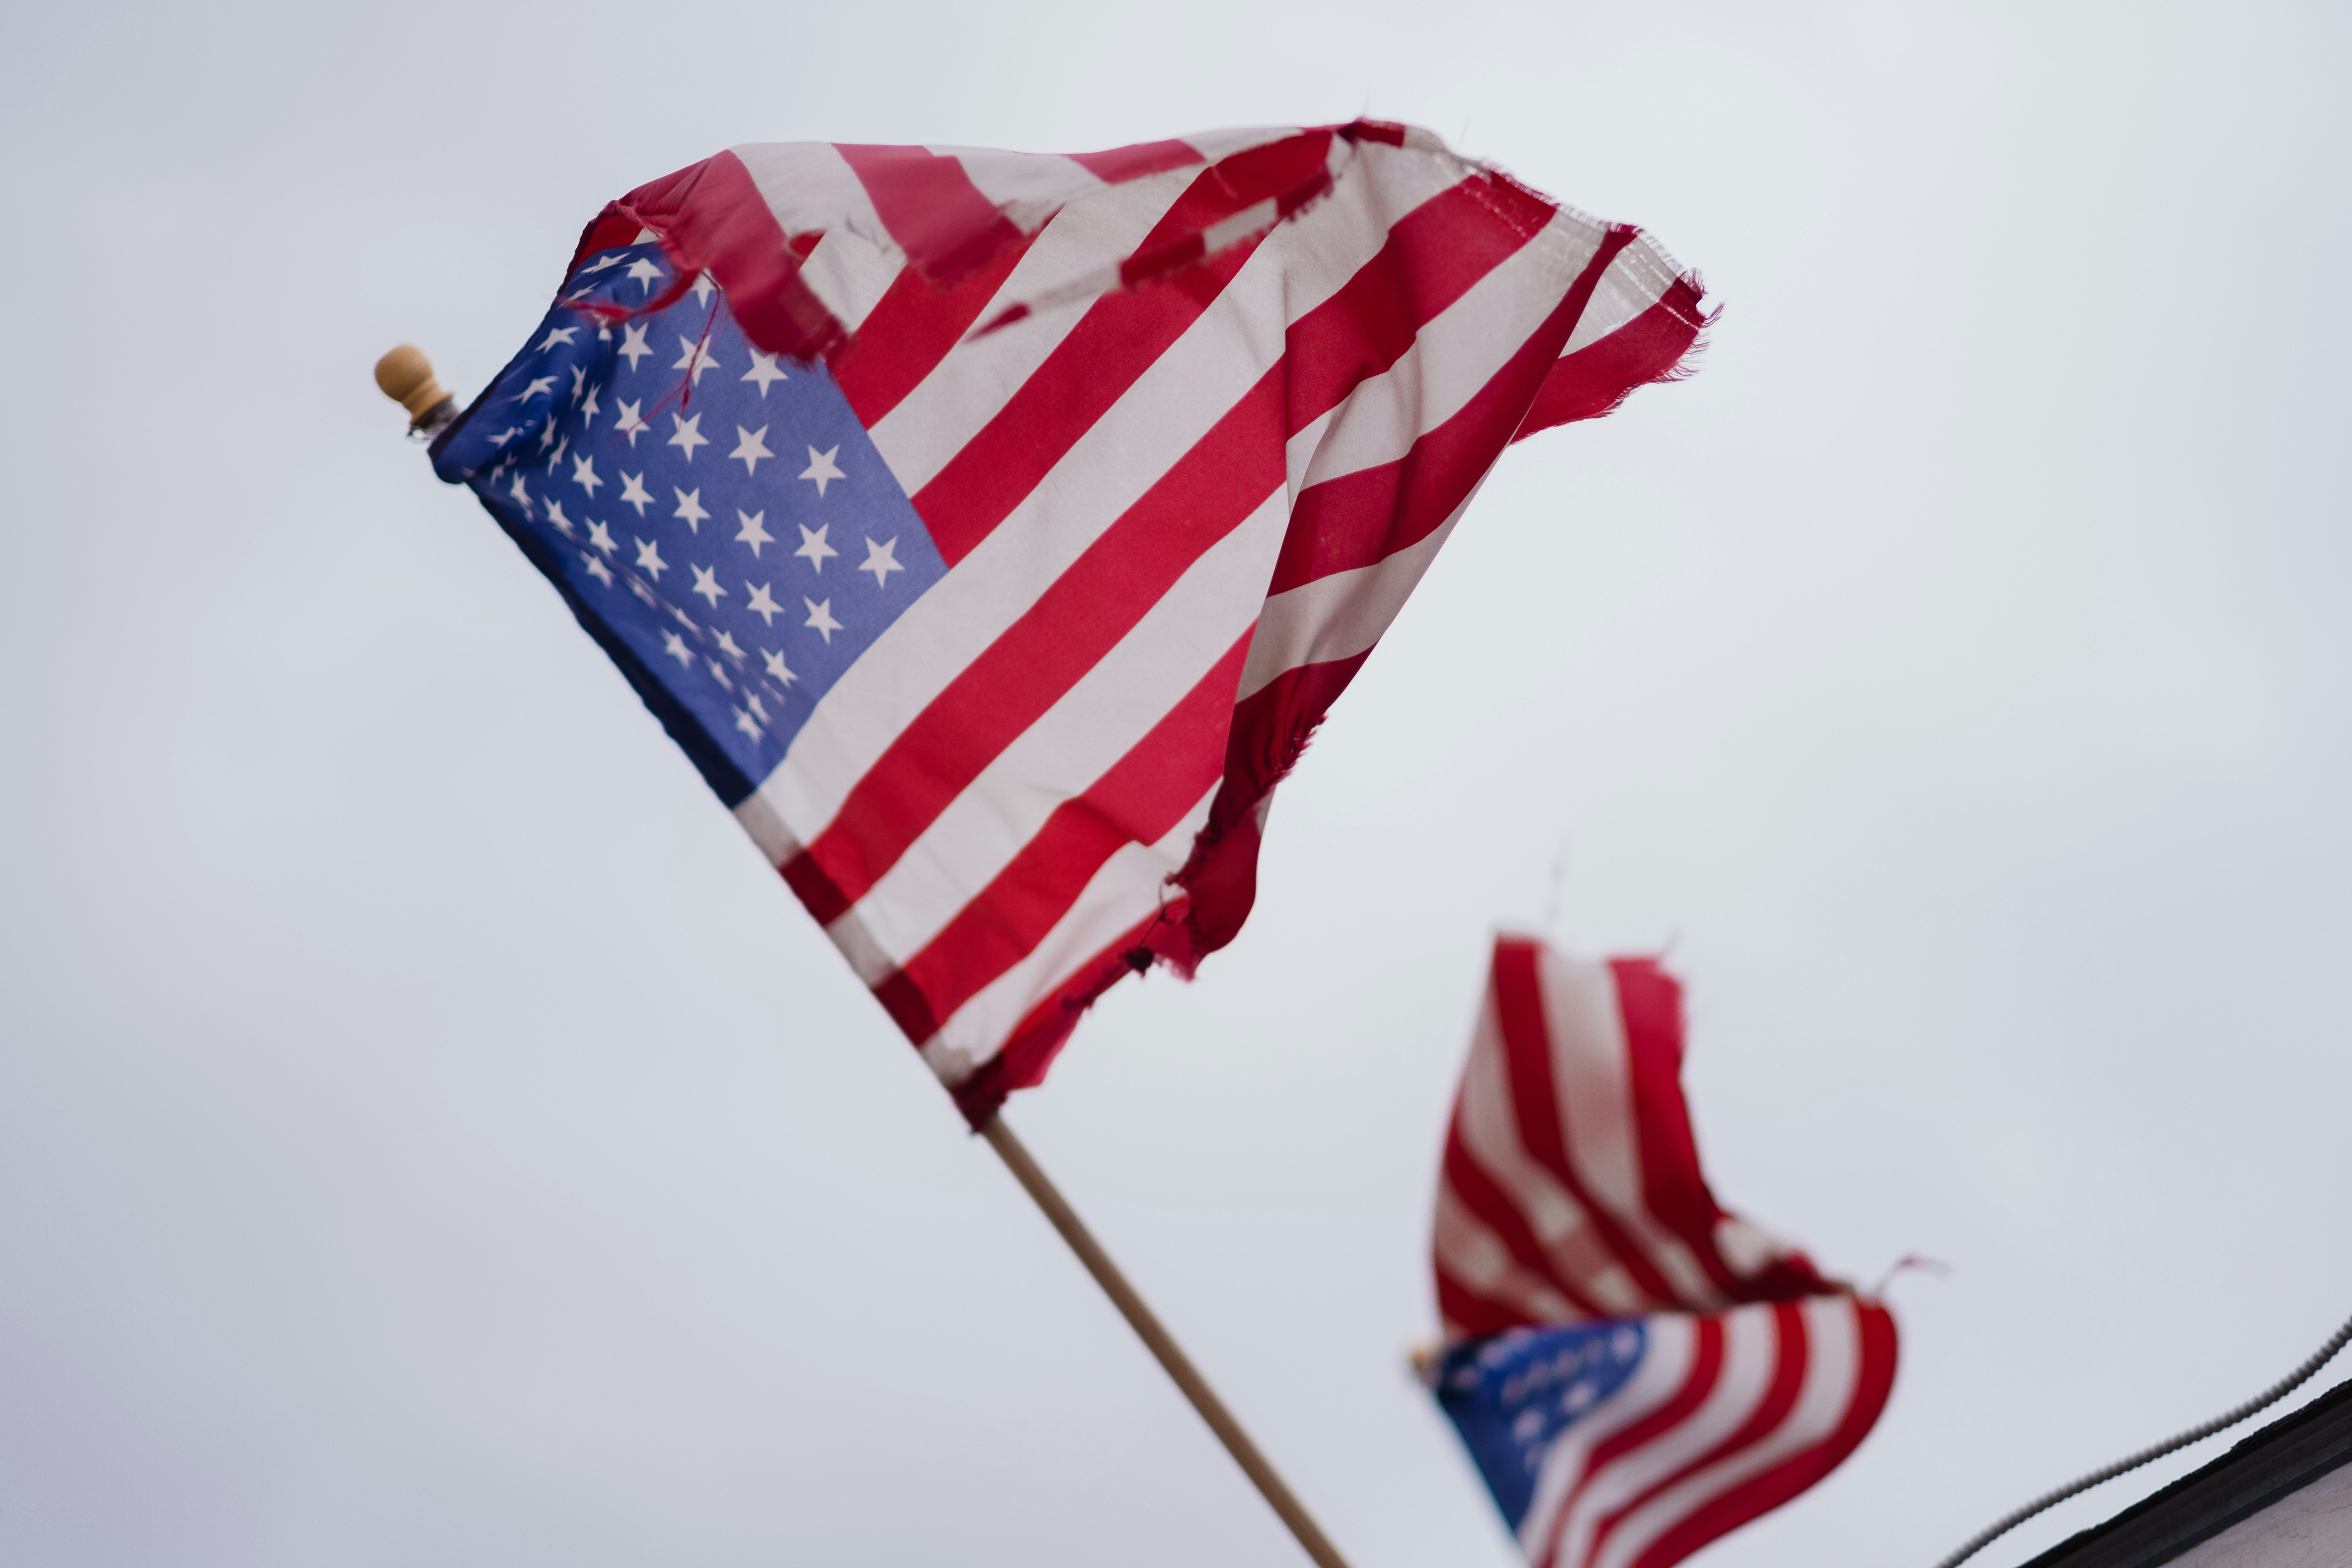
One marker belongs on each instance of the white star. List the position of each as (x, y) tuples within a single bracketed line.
[(596, 569), (505, 436), (706, 582), (718, 673), (633, 493), (555, 516), (675, 646), (638, 586), (752, 533), (728, 645), (821, 618), (880, 560), (644, 271), (752, 447), (634, 346), (762, 603), (751, 701), (601, 537), (821, 467), (583, 474), (613, 260), (763, 371), (694, 358), (814, 547), (683, 619), (702, 287), (689, 507), (579, 385), (521, 496), (627, 420), (538, 385), (556, 335), (775, 663), (744, 722), (547, 435), (689, 435), (589, 407), (649, 560)]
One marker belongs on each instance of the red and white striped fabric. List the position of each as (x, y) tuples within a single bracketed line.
[(1187, 421), (1571, 1187), (1635, 1370), (1729, 1416)]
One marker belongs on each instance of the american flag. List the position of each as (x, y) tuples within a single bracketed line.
[(1635, 1371), (1091, 480)]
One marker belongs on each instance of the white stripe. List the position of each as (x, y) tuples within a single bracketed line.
[(849, 274), (1085, 733), (1490, 1136), (1026, 187), (767, 830), (812, 189), (971, 385), (1125, 891), (1233, 230), (1832, 1369), (1456, 355), (1584, 1018), (1159, 418), (1670, 1346), (1214, 146), (1749, 1339), (1474, 1257), (1342, 615)]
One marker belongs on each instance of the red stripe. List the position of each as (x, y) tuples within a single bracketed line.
[(1431, 257), (1791, 1351), (1271, 729), (1022, 1061), (1706, 1366), (1133, 162), (608, 230), (1080, 618), (1384, 131), (1360, 517), (1120, 336), (1535, 1105), (945, 224), (1673, 1186), (1768, 1489), (1673, 1190), (1139, 800), (1596, 378), (910, 330), (712, 215), (1499, 1212)]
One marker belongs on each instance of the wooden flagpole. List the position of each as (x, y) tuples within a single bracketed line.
[(405, 375), (1156, 1338)]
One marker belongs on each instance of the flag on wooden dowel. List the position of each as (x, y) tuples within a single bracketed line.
[(1050, 501), (1635, 1371)]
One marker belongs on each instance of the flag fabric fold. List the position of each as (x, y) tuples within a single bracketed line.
[(1052, 501), (1635, 1371)]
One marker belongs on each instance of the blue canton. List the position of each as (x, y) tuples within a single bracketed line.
[(1511, 1395), (715, 517)]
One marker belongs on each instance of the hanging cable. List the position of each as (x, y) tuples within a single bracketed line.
[(2268, 1397)]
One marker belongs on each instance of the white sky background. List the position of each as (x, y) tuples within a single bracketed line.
[(428, 1134)]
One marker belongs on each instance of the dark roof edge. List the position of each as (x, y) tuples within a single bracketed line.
[(2281, 1457)]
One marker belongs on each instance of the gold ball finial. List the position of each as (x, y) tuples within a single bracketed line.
[(406, 376)]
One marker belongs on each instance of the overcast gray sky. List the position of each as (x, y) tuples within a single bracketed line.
[(429, 1134)]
